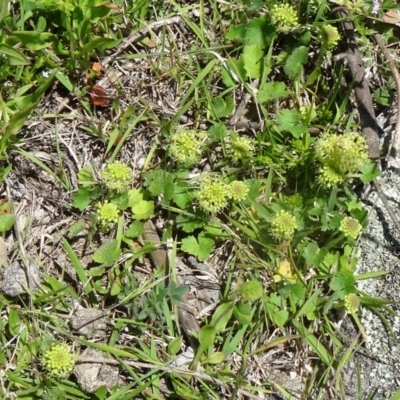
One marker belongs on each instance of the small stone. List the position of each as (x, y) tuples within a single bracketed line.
[(91, 376), (90, 322), (15, 279)]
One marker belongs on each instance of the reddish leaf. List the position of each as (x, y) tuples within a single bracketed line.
[(99, 96)]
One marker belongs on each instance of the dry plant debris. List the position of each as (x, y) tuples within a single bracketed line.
[(181, 210)]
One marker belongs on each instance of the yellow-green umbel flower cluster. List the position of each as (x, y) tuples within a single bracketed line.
[(187, 146), (350, 227), (283, 225), (107, 214), (351, 303), (284, 17), (340, 155), (330, 35), (241, 147), (58, 360), (238, 190), (213, 195), (117, 176)]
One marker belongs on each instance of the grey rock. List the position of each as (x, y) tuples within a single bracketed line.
[(15, 279), (91, 376)]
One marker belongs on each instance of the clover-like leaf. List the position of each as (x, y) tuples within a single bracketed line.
[(143, 210), (107, 253)]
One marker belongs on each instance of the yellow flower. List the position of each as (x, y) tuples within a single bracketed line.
[(284, 272)]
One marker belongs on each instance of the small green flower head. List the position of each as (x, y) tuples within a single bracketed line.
[(187, 146), (107, 214), (213, 195), (58, 360), (117, 176), (329, 177), (283, 225), (330, 35), (351, 303), (340, 155), (241, 147), (284, 17), (238, 190), (350, 227)]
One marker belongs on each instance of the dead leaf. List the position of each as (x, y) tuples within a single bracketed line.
[(391, 17)]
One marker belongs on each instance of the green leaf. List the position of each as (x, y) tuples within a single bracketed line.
[(227, 78), (206, 337), (252, 56), (217, 132), (295, 290), (280, 317), (215, 358), (14, 322), (6, 222), (96, 271), (369, 172), (384, 96), (343, 281), (223, 108), (116, 287), (182, 196), (143, 210), (289, 120), (135, 197), (4, 9), (260, 32), (75, 229), (107, 253), (221, 316), (134, 230), (80, 270), (13, 56), (160, 182), (310, 252), (188, 223), (237, 33), (374, 301), (395, 395), (217, 230), (121, 200), (100, 44), (242, 312), (17, 120), (81, 199), (85, 176), (174, 346), (201, 248), (271, 91), (34, 40), (294, 63), (252, 290)]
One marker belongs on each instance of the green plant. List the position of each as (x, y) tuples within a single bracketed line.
[(267, 190), (58, 360)]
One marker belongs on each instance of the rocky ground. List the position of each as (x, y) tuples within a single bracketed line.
[(378, 363)]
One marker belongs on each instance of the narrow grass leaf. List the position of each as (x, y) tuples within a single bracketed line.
[(13, 56), (316, 345), (80, 271), (396, 395)]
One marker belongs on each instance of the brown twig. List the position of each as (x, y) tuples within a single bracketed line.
[(369, 125), (395, 142), (241, 107)]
